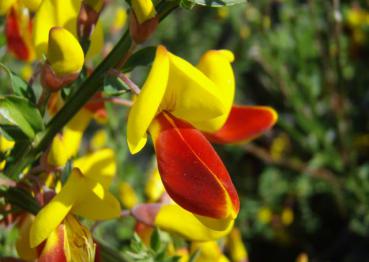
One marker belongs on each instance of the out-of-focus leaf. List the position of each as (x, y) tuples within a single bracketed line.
[(19, 112), (19, 86), (114, 86), (143, 57)]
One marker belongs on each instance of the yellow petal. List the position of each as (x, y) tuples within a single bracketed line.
[(58, 155), (175, 219), (99, 166), (5, 144), (64, 54), (216, 65), (127, 195), (191, 95), (144, 10), (99, 140), (154, 188), (95, 208), (5, 6), (147, 103), (120, 19), (97, 41), (208, 252), (237, 249), (51, 215), (32, 5)]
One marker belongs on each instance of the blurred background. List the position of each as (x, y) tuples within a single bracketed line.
[(304, 186)]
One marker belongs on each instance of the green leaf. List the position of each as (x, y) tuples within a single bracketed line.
[(19, 112), (113, 86), (143, 57), (19, 86), (155, 240), (216, 3)]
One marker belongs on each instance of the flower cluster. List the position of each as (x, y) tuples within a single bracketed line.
[(184, 108)]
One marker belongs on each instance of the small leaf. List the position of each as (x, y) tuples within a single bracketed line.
[(155, 240), (143, 57), (19, 112), (19, 86), (114, 86), (217, 3)]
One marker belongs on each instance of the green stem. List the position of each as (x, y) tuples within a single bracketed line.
[(86, 91), (77, 100)]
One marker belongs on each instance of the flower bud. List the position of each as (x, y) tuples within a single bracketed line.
[(140, 32), (64, 54), (65, 59), (143, 9)]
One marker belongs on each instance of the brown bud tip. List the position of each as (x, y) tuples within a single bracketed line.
[(141, 32), (53, 82)]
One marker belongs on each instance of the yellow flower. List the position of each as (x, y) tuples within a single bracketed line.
[(70, 241), (5, 146), (175, 86), (66, 144), (154, 188), (144, 10), (84, 194), (64, 14), (64, 53), (287, 216), (128, 195), (120, 19), (265, 215)]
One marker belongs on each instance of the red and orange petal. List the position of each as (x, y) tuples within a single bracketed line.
[(52, 249), (18, 29), (97, 107), (192, 172), (244, 123)]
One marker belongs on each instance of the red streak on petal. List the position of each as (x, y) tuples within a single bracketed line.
[(192, 172), (244, 123), (15, 42)]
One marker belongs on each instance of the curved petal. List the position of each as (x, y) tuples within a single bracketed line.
[(192, 172), (190, 95), (175, 219), (95, 208), (51, 215), (53, 250), (147, 103), (208, 252), (216, 65), (244, 123), (99, 166)]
